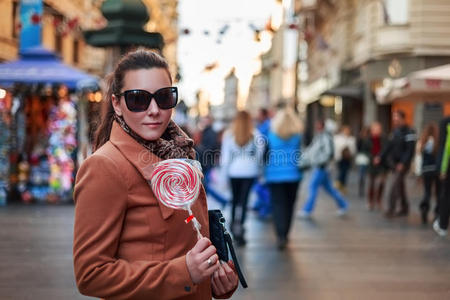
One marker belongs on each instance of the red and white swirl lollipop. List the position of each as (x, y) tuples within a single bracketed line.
[(176, 183)]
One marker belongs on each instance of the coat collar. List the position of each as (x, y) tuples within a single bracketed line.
[(141, 158)]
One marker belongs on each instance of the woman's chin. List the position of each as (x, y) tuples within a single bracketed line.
[(151, 136)]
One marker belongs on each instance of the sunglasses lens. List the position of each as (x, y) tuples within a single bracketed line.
[(137, 101), (166, 98)]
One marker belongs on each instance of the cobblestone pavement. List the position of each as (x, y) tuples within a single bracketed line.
[(362, 256)]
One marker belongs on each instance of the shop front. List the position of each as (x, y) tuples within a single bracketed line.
[(41, 132)]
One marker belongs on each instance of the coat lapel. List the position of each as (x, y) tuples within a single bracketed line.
[(141, 158)]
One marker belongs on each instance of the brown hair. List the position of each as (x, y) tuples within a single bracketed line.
[(430, 130), (135, 60), (242, 128)]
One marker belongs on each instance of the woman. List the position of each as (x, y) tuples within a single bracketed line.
[(241, 160), (377, 171), (428, 146), (281, 173), (344, 148), (127, 244), (362, 158)]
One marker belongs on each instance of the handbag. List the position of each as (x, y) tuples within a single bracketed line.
[(221, 239), (362, 159)]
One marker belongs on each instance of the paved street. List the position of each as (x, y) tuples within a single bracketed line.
[(362, 256)]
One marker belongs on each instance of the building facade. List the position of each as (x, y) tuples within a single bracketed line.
[(64, 20), (358, 46)]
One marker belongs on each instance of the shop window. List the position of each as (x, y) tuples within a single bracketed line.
[(58, 35), (76, 50), (396, 12), (15, 15)]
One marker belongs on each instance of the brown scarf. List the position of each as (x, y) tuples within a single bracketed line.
[(174, 143)]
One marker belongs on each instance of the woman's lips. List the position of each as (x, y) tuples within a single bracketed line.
[(152, 124)]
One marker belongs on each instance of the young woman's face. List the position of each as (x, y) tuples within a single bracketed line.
[(152, 123)]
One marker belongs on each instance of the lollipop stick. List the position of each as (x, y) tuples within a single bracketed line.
[(195, 223)]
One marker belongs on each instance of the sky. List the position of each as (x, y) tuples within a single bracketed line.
[(237, 47)]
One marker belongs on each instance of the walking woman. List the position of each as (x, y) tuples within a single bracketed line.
[(241, 162), (282, 173), (428, 148), (127, 244)]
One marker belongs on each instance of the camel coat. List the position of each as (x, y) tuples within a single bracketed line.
[(127, 244)]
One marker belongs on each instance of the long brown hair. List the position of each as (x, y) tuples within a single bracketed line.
[(242, 128), (135, 60), (430, 130)]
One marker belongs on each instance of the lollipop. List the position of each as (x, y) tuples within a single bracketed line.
[(176, 183)]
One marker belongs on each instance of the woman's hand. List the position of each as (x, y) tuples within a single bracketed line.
[(202, 260), (224, 279), (376, 160)]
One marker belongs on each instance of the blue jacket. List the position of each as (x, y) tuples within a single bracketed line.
[(282, 159)]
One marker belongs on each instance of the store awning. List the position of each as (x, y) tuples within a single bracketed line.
[(39, 65), (426, 85), (354, 91)]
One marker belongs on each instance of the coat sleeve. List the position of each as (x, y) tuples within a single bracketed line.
[(410, 140), (101, 202), (386, 148)]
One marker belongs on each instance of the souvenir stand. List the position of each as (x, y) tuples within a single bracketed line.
[(42, 125)]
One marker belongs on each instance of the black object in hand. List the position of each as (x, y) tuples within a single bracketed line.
[(221, 239)]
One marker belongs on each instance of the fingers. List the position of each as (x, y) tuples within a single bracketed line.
[(207, 253), (224, 280), (231, 273), (216, 279), (214, 259), (201, 245), (202, 261)]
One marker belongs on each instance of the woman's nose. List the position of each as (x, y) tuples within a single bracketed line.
[(153, 108)]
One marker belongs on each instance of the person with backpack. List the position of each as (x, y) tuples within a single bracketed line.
[(319, 155)]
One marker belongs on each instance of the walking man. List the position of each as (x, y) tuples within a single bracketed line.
[(318, 155)]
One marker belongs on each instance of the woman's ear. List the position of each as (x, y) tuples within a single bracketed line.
[(116, 105)]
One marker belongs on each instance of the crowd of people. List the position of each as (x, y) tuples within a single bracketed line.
[(267, 155)]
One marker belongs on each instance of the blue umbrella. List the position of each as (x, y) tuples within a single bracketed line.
[(39, 65)]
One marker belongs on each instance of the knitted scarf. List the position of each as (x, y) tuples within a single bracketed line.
[(173, 143)]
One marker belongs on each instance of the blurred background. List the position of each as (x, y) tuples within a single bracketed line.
[(352, 62)]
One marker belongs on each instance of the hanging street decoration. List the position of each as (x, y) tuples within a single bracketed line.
[(35, 19), (65, 26)]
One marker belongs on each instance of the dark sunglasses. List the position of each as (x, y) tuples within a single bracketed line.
[(139, 100)]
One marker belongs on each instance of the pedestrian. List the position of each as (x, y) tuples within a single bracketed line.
[(344, 150), (440, 226), (241, 162), (127, 244), (281, 172), (319, 155), (377, 171), (208, 152), (262, 204), (362, 159), (428, 148), (398, 154)]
